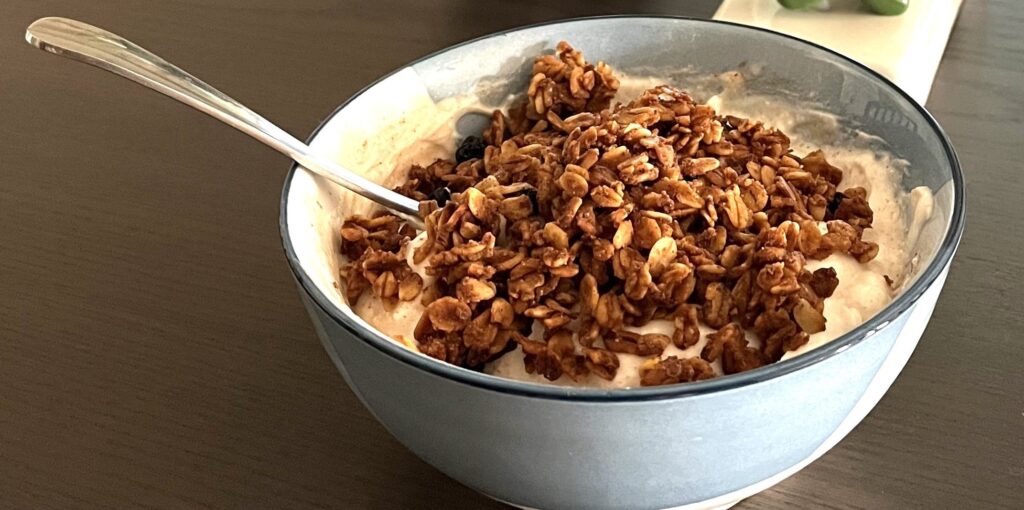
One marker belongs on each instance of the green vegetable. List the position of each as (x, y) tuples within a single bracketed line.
[(883, 7), (887, 7), (800, 5)]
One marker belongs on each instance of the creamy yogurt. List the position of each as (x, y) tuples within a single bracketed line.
[(429, 133)]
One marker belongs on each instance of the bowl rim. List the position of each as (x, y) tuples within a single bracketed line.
[(480, 380)]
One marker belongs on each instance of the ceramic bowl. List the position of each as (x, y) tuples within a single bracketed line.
[(699, 445)]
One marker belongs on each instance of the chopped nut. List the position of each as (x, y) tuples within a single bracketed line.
[(736, 209), (739, 357), (646, 232), (730, 333), (717, 304), (795, 341), (480, 333), (863, 251), (678, 282), (608, 312), (652, 344), (605, 196), (573, 184), (472, 290), (673, 370), (687, 330), (516, 208), (448, 314), (638, 282), (410, 287), (385, 285), (602, 363), (626, 342), (603, 250), (502, 312)]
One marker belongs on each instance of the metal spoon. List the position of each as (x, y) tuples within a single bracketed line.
[(86, 43)]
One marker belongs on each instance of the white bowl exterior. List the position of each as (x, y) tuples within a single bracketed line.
[(703, 450)]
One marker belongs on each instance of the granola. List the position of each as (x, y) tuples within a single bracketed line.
[(591, 219)]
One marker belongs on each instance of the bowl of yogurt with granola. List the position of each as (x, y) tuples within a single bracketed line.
[(666, 263)]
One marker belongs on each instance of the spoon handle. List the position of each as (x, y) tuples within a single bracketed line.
[(92, 45)]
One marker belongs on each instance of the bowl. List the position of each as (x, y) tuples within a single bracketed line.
[(706, 444)]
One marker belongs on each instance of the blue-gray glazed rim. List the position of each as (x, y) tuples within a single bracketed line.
[(417, 361)]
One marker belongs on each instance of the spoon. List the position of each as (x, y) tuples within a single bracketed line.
[(111, 52)]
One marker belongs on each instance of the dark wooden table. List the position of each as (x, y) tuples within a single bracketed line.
[(153, 350)]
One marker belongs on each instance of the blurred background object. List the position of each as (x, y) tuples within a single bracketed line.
[(882, 7), (906, 48)]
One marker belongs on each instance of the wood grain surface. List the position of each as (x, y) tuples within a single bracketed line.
[(153, 350)]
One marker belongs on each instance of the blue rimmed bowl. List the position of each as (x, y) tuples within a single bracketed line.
[(700, 445)]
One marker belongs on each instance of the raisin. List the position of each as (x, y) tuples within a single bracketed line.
[(833, 204), (441, 195), (472, 147), (532, 193)]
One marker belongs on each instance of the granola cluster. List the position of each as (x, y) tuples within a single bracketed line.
[(588, 218)]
